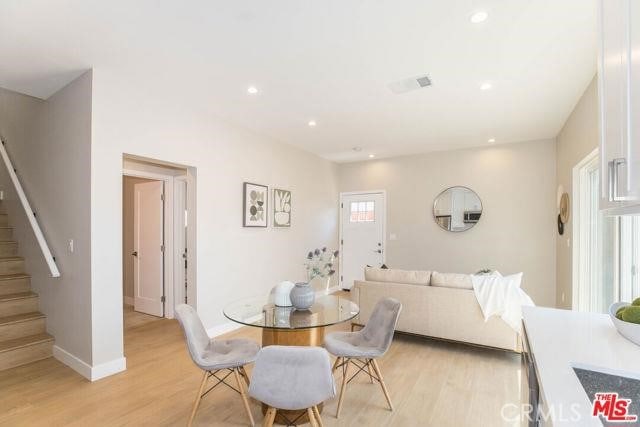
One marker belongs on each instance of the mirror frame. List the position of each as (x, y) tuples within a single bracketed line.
[(435, 201)]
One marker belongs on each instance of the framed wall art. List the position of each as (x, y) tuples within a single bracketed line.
[(255, 204)]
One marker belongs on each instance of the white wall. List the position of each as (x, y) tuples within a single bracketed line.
[(233, 262), (516, 183), (49, 143), (578, 138)]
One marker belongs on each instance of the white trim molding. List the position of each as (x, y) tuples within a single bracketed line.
[(92, 373)]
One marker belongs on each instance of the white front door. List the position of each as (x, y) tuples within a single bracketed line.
[(363, 224), (148, 241)]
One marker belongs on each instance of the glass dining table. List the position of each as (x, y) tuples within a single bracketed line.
[(288, 326)]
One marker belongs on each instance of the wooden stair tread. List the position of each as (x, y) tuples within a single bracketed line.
[(18, 295), (14, 276), (24, 317), (11, 258), (24, 342), (8, 242)]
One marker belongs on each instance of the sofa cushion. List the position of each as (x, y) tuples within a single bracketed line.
[(414, 277), (451, 280)]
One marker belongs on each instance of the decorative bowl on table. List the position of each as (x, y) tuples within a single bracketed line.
[(629, 330)]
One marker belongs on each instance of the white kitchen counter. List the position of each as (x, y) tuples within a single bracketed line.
[(561, 339)]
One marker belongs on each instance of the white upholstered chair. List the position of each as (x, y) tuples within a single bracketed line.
[(362, 348), (217, 358), (292, 379)]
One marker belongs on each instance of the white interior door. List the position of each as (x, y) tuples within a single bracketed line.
[(148, 241), (363, 224)]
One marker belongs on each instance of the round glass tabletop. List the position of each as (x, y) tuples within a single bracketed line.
[(262, 313)]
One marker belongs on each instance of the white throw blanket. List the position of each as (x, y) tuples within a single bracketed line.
[(501, 296)]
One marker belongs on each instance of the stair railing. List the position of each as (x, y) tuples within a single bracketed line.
[(31, 215)]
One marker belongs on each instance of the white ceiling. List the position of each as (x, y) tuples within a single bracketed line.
[(330, 61)]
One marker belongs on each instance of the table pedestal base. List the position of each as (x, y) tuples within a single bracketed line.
[(298, 337)]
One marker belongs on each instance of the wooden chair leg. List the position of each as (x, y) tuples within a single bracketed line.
[(269, 417), (345, 378), (244, 374), (376, 368), (312, 417), (316, 411), (369, 370), (335, 364), (198, 398), (243, 394)]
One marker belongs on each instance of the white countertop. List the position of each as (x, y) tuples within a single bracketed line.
[(561, 339)]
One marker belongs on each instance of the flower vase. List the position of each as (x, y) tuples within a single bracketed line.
[(321, 284)]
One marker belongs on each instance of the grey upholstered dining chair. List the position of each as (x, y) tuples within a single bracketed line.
[(361, 348), (217, 358), (292, 379)]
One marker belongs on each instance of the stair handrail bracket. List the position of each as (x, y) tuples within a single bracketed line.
[(31, 216)]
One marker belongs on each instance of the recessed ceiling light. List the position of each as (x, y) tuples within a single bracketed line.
[(491, 140), (479, 17), (371, 156), (486, 86), (312, 123), (252, 90), (357, 149)]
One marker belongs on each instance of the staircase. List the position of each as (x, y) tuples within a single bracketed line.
[(23, 338)]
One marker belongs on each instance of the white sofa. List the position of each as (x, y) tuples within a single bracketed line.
[(438, 305)]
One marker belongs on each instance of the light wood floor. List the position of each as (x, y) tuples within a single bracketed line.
[(431, 384)]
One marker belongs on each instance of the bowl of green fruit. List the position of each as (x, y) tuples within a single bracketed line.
[(626, 319)]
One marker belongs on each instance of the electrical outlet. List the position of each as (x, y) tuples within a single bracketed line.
[(71, 245), (393, 236), (562, 297)]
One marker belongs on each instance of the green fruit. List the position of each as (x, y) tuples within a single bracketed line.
[(631, 314), (636, 302), (620, 310)]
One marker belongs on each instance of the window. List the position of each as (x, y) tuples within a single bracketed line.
[(629, 257), (606, 248), (363, 211)]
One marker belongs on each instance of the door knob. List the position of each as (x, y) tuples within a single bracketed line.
[(134, 253)]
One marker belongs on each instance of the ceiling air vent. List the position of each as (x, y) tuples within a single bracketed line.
[(410, 84)]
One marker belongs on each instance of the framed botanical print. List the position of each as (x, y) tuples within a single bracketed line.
[(255, 203), (281, 208)]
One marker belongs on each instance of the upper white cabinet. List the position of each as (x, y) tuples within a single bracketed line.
[(619, 92)]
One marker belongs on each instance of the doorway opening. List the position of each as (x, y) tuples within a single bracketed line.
[(362, 234), (158, 242)]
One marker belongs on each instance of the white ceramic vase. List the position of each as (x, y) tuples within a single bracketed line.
[(302, 296)]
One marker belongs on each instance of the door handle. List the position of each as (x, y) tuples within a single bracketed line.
[(134, 253), (613, 180)]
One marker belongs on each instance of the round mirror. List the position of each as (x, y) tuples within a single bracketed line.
[(457, 209)]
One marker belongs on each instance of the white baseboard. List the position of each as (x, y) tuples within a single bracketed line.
[(128, 300), (223, 329), (334, 289), (92, 373), (108, 368)]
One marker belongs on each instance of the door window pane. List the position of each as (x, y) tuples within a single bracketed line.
[(362, 211)]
